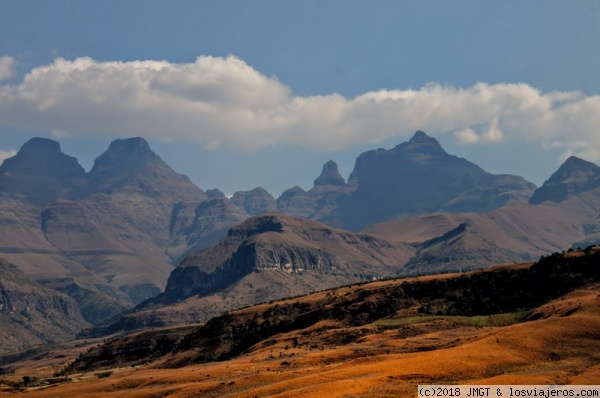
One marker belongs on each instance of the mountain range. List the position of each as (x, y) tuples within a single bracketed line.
[(133, 232)]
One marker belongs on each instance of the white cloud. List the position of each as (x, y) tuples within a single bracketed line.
[(490, 133), (6, 154), (467, 136), (225, 102), (7, 67)]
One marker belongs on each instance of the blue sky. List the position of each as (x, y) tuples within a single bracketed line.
[(239, 94)]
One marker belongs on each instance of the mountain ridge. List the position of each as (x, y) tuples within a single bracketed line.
[(110, 238), (418, 177)]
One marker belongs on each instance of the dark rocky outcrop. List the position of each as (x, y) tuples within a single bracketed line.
[(573, 177)]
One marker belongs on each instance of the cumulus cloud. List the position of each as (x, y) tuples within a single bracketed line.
[(7, 67), (490, 132), (225, 102)]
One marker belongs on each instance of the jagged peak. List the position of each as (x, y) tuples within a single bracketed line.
[(420, 135), (421, 140), (330, 175), (574, 176), (573, 162), (574, 170)]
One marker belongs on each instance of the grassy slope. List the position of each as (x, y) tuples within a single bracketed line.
[(389, 356)]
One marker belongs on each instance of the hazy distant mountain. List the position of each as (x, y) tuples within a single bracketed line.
[(516, 232), (573, 177), (320, 200), (418, 177), (197, 226), (255, 201)]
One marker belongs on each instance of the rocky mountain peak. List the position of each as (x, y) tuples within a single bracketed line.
[(330, 176), (422, 143), (418, 177), (575, 167), (43, 156), (39, 172), (125, 153), (129, 165), (39, 145), (574, 176)]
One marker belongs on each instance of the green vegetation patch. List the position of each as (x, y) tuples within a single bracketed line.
[(494, 320)]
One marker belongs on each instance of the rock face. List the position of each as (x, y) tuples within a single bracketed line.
[(281, 243), (419, 177), (574, 176), (32, 314)]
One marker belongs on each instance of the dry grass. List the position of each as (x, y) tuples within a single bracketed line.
[(562, 346)]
